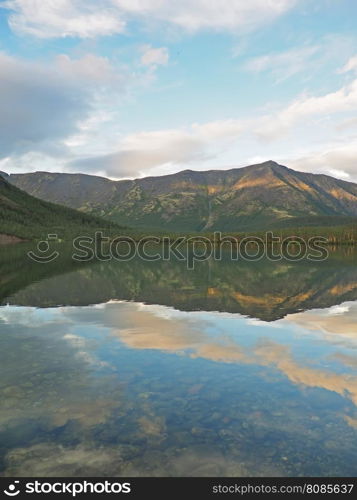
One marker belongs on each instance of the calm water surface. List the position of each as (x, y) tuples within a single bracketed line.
[(233, 369)]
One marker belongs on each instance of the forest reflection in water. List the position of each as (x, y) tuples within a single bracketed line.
[(266, 290)]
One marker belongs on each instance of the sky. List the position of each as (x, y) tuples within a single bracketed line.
[(131, 88)]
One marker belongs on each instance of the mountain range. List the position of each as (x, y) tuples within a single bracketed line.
[(265, 195), (23, 216)]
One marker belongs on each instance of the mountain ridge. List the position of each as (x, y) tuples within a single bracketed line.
[(251, 197)]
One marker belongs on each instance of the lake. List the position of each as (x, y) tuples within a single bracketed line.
[(150, 369)]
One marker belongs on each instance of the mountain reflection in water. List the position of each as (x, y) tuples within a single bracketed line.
[(264, 289), (125, 369)]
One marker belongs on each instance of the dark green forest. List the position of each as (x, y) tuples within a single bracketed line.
[(29, 218)]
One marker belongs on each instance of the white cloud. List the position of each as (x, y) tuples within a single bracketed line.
[(340, 161), (153, 57), (33, 161), (347, 123), (43, 106), (37, 106), (90, 68), (219, 130), (91, 18), (64, 18), (308, 59), (351, 65), (65, 119), (148, 152), (284, 64), (277, 124), (139, 153), (65, 107), (193, 15)]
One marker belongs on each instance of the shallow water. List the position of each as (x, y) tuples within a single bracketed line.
[(127, 369)]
